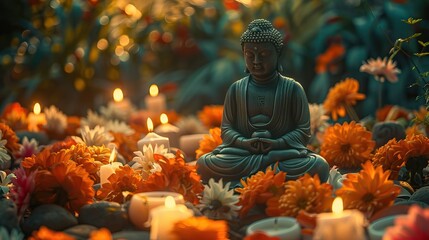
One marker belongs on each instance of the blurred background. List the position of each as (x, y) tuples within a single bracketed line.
[(73, 53)]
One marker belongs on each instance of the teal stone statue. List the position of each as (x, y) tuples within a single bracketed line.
[(266, 118)]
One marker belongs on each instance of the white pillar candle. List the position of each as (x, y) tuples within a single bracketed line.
[(339, 225), (164, 217), (110, 168), (155, 102), (281, 227), (189, 144), (36, 118), (168, 130), (142, 203), (152, 138)]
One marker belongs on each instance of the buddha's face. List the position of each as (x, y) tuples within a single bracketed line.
[(261, 60)]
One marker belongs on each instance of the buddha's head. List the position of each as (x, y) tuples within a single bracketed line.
[(261, 44)]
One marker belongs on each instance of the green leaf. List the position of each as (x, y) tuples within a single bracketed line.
[(424, 44), (411, 20), (422, 54), (425, 74)]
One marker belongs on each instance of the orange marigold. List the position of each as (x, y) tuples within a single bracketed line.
[(175, 176), (45, 233), (45, 159), (126, 144), (82, 156), (211, 116), (415, 130), (9, 135), (391, 113), (343, 94), (326, 61), (395, 154), (65, 184), (100, 234), (369, 190), (260, 187), (306, 193), (347, 145), (73, 124), (200, 228), (125, 179), (209, 142), (15, 116)]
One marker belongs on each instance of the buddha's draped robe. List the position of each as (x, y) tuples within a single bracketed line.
[(289, 125)]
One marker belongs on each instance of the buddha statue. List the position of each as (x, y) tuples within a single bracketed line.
[(266, 118)]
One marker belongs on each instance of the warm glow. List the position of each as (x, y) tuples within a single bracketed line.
[(153, 90), (149, 125), (118, 95), (337, 205), (164, 118), (112, 155), (37, 109), (169, 202)]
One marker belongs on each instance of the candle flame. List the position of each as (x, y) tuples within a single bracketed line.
[(37, 109), (149, 125), (118, 95), (169, 202), (164, 118), (337, 205), (112, 155), (153, 90)]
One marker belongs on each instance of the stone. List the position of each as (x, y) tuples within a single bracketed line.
[(382, 132), (421, 195), (110, 215), (132, 235), (8, 213), (52, 216), (81, 231)]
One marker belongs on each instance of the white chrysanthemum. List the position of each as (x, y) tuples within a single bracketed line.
[(318, 118), (218, 201), (190, 125), (56, 121), (4, 155), (95, 137), (92, 119), (145, 161), (119, 127), (13, 235), (115, 112), (5, 181)]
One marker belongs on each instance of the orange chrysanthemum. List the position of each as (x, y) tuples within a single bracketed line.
[(73, 124), (100, 153), (82, 155), (100, 234), (64, 184), (15, 116), (9, 135), (395, 154), (306, 193), (64, 144), (200, 228), (326, 61), (125, 179), (369, 190), (347, 145), (175, 176), (391, 113), (211, 116), (260, 187), (343, 94), (45, 159), (126, 144), (209, 142), (414, 130), (45, 233)]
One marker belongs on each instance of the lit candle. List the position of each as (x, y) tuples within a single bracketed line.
[(142, 203), (155, 102), (152, 138), (121, 103), (168, 130), (163, 218), (281, 227), (36, 118), (189, 144), (108, 169), (339, 224)]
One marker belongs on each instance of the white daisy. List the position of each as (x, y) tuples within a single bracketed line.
[(218, 201), (119, 127), (56, 121), (92, 119), (318, 118), (95, 137), (145, 161), (190, 125)]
